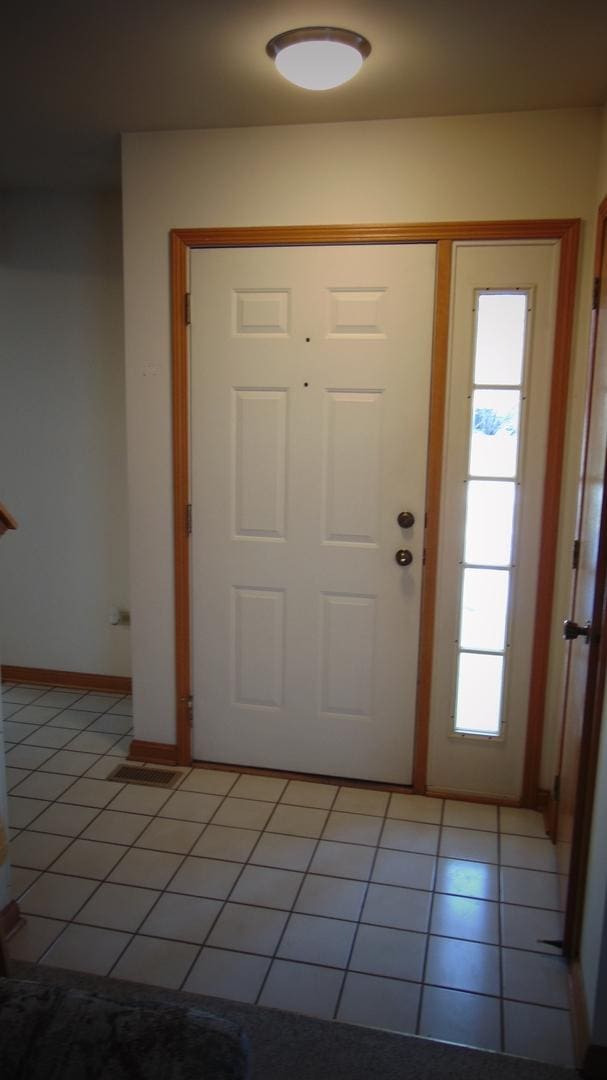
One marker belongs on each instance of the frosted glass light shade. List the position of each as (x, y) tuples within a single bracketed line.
[(318, 58)]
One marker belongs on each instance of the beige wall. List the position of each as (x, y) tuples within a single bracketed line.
[(63, 432), (524, 165)]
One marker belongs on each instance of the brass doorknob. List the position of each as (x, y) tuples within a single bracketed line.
[(406, 519), (403, 557)]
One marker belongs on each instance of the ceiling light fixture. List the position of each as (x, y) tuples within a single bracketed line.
[(318, 57)]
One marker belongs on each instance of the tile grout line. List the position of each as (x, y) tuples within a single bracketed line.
[(423, 983), (500, 934), (329, 811)]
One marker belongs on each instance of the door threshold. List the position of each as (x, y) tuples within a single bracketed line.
[(314, 778)]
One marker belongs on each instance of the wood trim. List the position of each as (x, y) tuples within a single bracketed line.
[(593, 706), (579, 1013), (181, 493), (10, 918), (466, 796), (7, 520), (436, 435), (78, 680), (550, 512), (183, 240), (155, 753)]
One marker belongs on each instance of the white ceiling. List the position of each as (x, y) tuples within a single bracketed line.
[(74, 73)]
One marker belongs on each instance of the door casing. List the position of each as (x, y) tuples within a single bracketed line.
[(442, 234)]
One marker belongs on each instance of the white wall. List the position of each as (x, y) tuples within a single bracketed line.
[(62, 432), (523, 165)]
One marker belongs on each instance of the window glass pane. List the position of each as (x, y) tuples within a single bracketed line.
[(495, 426), (484, 609), (479, 694), (500, 338), (489, 522)]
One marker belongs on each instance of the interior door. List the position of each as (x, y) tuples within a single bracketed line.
[(310, 372), (586, 662)]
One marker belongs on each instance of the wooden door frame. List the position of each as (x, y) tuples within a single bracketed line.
[(443, 235), (595, 680)]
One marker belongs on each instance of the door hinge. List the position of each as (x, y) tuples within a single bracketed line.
[(190, 710), (575, 561), (556, 788), (187, 309), (596, 293), (188, 518)]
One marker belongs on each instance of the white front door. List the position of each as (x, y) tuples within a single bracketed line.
[(310, 374)]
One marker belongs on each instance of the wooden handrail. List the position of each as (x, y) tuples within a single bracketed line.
[(7, 520)]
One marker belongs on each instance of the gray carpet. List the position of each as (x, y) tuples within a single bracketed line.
[(288, 1046)]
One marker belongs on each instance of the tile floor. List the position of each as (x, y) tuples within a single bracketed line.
[(394, 911)]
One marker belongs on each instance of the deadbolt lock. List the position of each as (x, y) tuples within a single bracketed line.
[(403, 557)]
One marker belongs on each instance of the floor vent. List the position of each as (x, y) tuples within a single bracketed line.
[(136, 774)]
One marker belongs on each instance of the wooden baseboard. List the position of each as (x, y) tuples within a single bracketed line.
[(154, 752), (117, 684), (10, 917), (579, 1013)]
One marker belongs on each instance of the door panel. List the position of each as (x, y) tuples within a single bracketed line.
[(309, 397)]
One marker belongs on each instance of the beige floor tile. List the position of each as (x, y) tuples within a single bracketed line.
[(57, 896), (458, 1017), (98, 702), (267, 887), (467, 918), (210, 781), (35, 714), (33, 938), (27, 757), (191, 806), (21, 812), (305, 988), (54, 737), (268, 788), (87, 948), (37, 850), (69, 763), (531, 888), (44, 785), (463, 965), (343, 860), (22, 695), (65, 820), (306, 793), (403, 909), (88, 858), (112, 826), (522, 822), (236, 976), (541, 980), (472, 844), (163, 834), (353, 828), (156, 961), (288, 852), (101, 767), (118, 907), (59, 699), (112, 724), (530, 928), (212, 878), (149, 869), (395, 953), (415, 808), (94, 742), (465, 815), (529, 852), (184, 918), (76, 719), (534, 1031), (248, 929), (381, 1003), (316, 940), (221, 842), (20, 879), (362, 801), (404, 868), (15, 776), (87, 792), (463, 878), (243, 813), (410, 836), (139, 800), (329, 896)]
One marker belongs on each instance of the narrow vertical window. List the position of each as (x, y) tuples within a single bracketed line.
[(489, 555)]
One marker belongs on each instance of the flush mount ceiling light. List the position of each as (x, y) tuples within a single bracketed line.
[(318, 57)]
